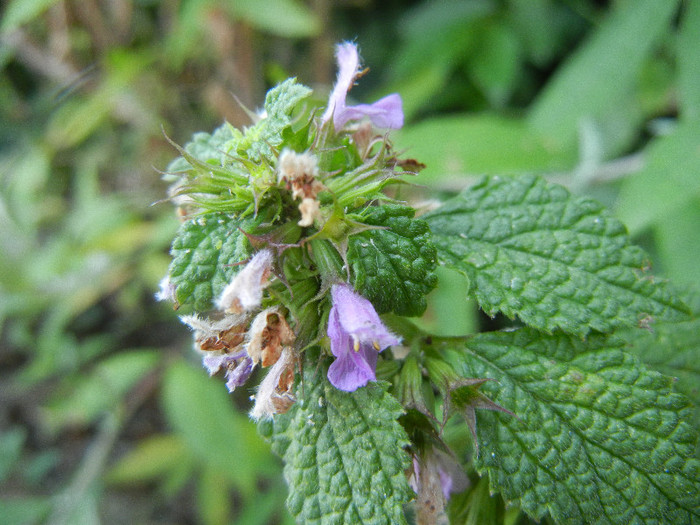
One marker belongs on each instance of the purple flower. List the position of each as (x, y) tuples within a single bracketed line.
[(238, 367), (384, 113), (357, 335)]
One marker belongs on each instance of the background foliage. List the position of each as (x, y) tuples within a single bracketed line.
[(105, 414)]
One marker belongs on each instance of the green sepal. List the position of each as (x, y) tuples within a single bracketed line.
[(394, 265), (599, 438), (344, 453), (211, 148), (207, 252), (532, 250)]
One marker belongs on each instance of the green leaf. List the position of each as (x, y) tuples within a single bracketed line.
[(673, 349), (150, 459), (343, 453), (19, 12), (101, 390), (532, 250), (281, 103), (598, 438), (601, 73), (667, 182), (206, 252), (24, 510), (689, 62), (200, 411), (11, 444), (285, 18), (394, 267), (456, 147)]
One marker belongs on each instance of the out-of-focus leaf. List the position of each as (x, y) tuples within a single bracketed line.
[(19, 12), (11, 442), (678, 244), (153, 457), (469, 145), (99, 391), (199, 409), (495, 63), (602, 72), (78, 118), (544, 27), (261, 510), (451, 310), (23, 511), (689, 62), (439, 36), (213, 497), (285, 18), (668, 181)]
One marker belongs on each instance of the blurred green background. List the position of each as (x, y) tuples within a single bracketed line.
[(105, 413)]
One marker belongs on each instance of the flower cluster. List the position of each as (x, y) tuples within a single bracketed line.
[(309, 197), (237, 345)]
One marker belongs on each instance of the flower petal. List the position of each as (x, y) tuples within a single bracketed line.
[(353, 370), (385, 113), (359, 319), (239, 375), (348, 67)]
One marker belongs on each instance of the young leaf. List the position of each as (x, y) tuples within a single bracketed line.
[(598, 437), (393, 267), (280, 104), (344, 461), (205, 253), (532, 250)]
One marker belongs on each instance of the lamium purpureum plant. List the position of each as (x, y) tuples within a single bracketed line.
[(291, 258)]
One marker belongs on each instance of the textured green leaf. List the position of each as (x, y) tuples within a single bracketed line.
[(280, 105), (532, 250), (344, 461), (393, 267), (673, 349), (205, 253), (598, 437)]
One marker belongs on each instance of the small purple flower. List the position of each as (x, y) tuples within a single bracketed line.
[(384, 113), (238, 367), (357, 335)]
